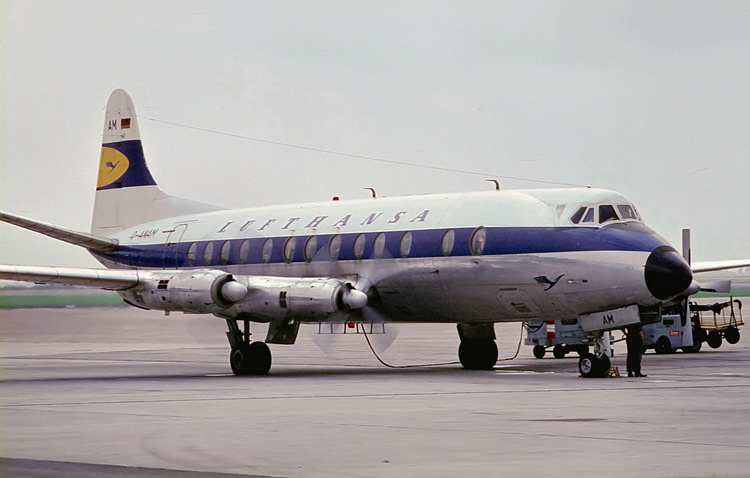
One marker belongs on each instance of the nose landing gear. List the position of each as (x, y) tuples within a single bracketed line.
[(597, 364)]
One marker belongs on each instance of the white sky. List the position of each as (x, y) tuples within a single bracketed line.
[(651, 99)]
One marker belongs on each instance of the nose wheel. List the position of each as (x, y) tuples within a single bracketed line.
[(592, 366), (597, 364)]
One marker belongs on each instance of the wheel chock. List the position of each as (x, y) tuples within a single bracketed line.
[(613, 372)]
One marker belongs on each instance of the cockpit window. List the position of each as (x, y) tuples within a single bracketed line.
[(583, 215), (627, 212), (589, 215), (607, 213), (576, 218)]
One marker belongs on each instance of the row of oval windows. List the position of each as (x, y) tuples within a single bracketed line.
[(476, 246)]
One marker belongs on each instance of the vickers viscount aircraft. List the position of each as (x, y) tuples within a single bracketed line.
[(473, 259)]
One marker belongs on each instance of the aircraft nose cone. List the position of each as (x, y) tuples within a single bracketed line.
[(667, 274)]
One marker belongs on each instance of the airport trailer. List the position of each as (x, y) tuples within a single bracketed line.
[(711, 324)]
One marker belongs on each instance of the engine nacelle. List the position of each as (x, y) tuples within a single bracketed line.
[(262, 298), (200, 291), (300, 298)]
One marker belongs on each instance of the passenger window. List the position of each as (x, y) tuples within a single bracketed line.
[(311, 247), (359, 246), (478, 241), (225, 248), (627, 212), (289, 248), (334, 247), (449, 239), (191, 254), (589, 215), (378, 246), (244, 251), (607, 213), (208, 253), (267, 250), (576, 218), (405, 246)]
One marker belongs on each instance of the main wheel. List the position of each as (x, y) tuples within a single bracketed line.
[(663, 345), (539, 351), (732, 335), (559, 351), (252, 359), (714, 339), (477, 354)]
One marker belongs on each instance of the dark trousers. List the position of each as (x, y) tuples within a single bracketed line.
[(634, 360)]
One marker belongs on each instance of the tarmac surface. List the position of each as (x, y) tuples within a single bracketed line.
[(124, 392)]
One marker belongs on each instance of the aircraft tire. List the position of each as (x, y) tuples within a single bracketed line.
[(559, 351), (732, 335), (252, 359), (604, 364), (477, 354), (587, 365), (714, 339), (663, 345), (591, 366), (539, 351)]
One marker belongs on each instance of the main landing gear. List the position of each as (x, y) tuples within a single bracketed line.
[(597, 364), (247, 358), (478, 350), (477, 354)]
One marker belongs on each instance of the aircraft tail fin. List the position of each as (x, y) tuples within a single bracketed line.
[(126, 192)]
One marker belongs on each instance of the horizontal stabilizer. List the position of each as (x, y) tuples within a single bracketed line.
[(709, 266), (95, 278), (82, 239)]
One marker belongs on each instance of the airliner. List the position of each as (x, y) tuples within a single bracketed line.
[(473, 258)]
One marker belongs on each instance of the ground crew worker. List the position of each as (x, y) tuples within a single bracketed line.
[(634, 341)]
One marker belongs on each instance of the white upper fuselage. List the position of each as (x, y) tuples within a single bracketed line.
[(471, 257)]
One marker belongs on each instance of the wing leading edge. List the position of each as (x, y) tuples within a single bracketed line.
[(709, 266), (95, 278)]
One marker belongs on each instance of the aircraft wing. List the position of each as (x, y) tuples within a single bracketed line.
[(94, 278), (70, 236), (709, 266)]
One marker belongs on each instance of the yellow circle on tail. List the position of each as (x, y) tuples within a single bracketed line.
[(112, 166)]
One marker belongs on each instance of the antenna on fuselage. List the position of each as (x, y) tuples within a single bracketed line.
[(372, 190), (496, 182)]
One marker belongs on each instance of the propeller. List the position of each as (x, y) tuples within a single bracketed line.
[(363, 299)]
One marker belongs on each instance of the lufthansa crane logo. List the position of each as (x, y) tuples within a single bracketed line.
[(112, 166), (550, 283)]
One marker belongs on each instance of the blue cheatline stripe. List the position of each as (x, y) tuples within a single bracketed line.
[(137, 173), (425, 244)]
